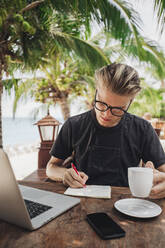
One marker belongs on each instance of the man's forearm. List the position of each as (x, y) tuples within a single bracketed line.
[(55, 172)]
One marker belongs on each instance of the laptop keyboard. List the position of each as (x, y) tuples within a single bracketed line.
[(35, 208)]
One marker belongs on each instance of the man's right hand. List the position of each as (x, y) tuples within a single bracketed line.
[(70, 178)]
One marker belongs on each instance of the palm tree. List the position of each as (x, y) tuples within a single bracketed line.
[(18, 38), (64, 78), (74, 78), (25, 36)]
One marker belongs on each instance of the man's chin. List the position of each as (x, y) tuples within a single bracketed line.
[(108, 123)]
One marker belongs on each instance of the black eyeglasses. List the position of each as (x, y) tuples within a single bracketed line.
[(103, 107)]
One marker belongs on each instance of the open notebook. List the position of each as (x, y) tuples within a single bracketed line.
[(95, 191)]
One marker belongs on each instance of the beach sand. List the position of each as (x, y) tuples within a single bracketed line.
[(23, 159)]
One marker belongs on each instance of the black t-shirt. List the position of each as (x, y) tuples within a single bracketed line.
[(105, 153)]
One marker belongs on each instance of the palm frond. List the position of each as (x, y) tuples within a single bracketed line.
[(159, 7), (22, 92), (154, 55), (132, 20), (150, 53), (91, 54), (118, 17)]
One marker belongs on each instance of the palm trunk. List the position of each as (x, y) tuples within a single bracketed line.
[(65, 107)]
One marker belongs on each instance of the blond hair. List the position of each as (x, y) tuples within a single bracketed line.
[(120, 78)]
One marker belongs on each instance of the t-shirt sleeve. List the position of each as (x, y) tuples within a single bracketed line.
[(153, 150), (62, 147)]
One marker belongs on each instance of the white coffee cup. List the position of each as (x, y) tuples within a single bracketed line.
[(140, 181)]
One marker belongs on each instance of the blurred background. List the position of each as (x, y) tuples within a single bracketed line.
[(50, 50)]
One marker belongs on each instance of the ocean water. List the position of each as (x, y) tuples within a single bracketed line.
[(22, 131), (19, 131)]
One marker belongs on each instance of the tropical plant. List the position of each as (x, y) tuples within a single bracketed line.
[(159, 8), (150, 55), (148, 100), (64, 78), (24, 30), (67, 76), (21, 34)]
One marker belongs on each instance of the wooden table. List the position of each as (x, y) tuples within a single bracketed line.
[(71, 230)]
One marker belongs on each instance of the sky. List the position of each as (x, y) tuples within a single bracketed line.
[(150, 30)]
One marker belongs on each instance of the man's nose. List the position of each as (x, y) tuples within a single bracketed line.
[(108, 113)]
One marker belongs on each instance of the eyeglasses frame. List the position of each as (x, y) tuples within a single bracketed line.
[(110, 107)]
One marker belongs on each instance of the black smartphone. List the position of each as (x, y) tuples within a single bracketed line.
[(105, 226)]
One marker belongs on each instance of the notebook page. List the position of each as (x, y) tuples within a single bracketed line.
[(95, 191)]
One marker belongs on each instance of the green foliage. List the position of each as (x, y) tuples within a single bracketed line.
[(65, 77), (149, 100), (27, 21), (162, 110), (104, 12), (68, 24), (18, 18), (159, 7), (9, 84), (32, 32), (90, 53), (150, 55)]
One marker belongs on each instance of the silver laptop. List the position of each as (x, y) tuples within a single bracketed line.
[(26, 206)]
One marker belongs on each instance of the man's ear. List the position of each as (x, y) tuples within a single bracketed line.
[(133, 97)]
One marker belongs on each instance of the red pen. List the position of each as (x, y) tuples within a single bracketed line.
[(75, 169)]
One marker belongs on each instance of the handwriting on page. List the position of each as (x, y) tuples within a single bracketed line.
[(95, 191)]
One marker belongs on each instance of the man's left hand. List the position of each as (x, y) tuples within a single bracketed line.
[(158, 189)]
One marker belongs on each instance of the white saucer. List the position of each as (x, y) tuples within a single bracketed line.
[(138, 208)]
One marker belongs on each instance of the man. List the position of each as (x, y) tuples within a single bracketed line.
[(107, 140)]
